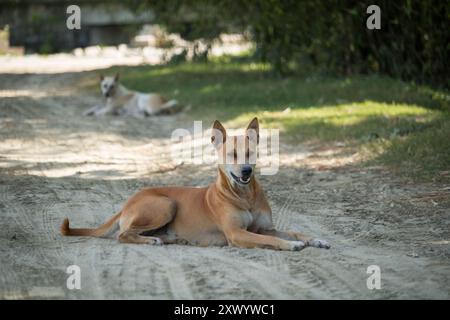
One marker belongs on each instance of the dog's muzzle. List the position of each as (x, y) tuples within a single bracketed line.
[(108, 93), (241, 180)]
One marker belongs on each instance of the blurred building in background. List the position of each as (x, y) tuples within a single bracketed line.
[(40, 25)]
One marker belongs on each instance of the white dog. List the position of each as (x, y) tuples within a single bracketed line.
[(121, 101)]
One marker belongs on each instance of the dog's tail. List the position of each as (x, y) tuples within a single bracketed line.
[(98, 232), (173, 106)]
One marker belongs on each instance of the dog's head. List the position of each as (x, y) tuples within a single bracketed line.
[(237, 154), (108, 85)]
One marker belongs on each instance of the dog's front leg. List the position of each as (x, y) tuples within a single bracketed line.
[(291, 235), (104, 111), (92, 111), (245, 239)]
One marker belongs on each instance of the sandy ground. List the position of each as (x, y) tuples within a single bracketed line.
[(55, 163)]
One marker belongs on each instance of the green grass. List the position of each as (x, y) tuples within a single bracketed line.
[(402, 125)]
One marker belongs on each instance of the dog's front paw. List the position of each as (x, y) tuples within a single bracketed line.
[(317, 243), (155, 241), (297, 245), (91, 111)]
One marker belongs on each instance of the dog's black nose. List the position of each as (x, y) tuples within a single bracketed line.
[(246, 171)]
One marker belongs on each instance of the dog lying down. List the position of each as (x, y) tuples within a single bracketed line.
[(122, 101), (232, 210)]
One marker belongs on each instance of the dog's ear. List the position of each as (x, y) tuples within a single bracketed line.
[(116, 77), (102, 77), (252, 130), (219, 134)]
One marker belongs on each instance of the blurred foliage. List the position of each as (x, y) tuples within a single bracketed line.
[(413, 42)]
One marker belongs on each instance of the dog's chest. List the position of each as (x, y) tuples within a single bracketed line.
[(247, 219), (251, 221)]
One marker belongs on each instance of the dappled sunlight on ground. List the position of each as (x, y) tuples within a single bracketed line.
[(55, 163)]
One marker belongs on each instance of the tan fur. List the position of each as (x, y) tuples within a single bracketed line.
[(225, 212)]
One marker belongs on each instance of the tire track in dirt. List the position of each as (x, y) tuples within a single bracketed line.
[(32, 208), (328, 279), (264, 278), (154, 271), (170, 268), (51, 233), (176, 274), (312, 273), (11, 282), (96, 256), (35, 254), (337, 279), (58, 258), (281, 217)]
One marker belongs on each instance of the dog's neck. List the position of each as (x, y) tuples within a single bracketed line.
[(241, 196), (120, 92)]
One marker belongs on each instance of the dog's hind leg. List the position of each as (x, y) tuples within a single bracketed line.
[(170, 107), (142, 217), (133, 236)]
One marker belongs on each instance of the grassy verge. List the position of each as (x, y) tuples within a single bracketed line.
[(404, 126)]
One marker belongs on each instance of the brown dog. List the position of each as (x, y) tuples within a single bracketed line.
[(233, 210)]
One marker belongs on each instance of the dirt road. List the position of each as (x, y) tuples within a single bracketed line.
[(55, 163)]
